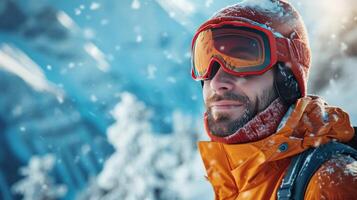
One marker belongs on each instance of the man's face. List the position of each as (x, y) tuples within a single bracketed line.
[(232, 101)]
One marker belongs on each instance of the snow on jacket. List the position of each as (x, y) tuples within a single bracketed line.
[(255, 170)]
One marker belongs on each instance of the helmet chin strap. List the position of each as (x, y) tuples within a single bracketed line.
[(286, 84)]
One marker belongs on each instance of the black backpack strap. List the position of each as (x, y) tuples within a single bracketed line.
[(285, 191), (303, 167)]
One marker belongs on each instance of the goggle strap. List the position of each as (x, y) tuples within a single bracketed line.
[(283, 51), (292, 50), (303, 54)]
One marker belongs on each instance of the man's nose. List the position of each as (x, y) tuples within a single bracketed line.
[(222, 82)]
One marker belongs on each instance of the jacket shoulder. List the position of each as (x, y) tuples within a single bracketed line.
[(335, 179)]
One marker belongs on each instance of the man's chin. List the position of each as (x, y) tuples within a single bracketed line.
[(221, 128), (224, 125)]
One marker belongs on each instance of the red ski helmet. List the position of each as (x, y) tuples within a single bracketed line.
[(282, 19)]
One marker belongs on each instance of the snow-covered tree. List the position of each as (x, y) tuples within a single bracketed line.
[(38, 183), (147, 165)]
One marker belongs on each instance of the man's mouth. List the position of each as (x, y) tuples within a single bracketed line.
[(225, 104)]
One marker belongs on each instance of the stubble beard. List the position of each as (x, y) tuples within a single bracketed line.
[(223, 125)]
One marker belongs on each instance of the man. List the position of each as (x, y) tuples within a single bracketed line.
[(253, 59)]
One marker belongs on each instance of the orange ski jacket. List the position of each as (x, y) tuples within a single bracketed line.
[(255, 170)]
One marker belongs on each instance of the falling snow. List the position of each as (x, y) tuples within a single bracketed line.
[(94, 6), (166, 153), (135, 5)]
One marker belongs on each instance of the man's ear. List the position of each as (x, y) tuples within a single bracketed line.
[(286, 84)]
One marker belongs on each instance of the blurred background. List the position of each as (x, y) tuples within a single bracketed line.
[(97, 101)]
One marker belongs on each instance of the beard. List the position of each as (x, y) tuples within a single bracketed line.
[(223, 124)]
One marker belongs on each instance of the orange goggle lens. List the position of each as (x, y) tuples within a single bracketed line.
[(241, 50)]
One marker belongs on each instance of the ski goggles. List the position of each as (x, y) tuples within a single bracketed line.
[(240, 48)]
